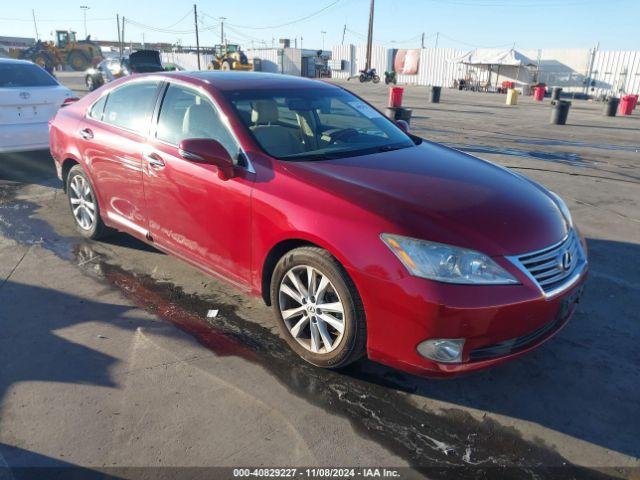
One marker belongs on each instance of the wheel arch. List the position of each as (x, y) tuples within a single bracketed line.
[(284, 246), (67, 165)]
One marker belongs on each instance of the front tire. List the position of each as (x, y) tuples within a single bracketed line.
[(318, 309), (376, 79), (84, 205)]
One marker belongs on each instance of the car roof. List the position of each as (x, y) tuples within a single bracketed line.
[(251, 80), (15, 60)]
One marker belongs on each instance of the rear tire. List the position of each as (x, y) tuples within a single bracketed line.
[(363, 78), (335, 315), (226, 66), (84, 205)]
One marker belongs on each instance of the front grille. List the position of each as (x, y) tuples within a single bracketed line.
[(552, 266), (512, 345)]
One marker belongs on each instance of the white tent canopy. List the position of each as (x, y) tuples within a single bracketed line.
[(488, 57)]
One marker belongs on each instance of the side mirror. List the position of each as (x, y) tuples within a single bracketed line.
[(210, 152), (403, 125)]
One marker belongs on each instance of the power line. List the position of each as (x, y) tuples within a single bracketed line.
[(298, 20)]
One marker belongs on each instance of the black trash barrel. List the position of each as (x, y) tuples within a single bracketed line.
[(399, 113), (555, 93), (559, 112), (435, 94), (611, 106)]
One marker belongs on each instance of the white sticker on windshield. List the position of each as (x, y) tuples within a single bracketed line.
[(365, 109)]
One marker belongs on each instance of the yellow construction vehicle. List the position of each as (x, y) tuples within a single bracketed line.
[(79, 54), (66, 50), (229, 56)]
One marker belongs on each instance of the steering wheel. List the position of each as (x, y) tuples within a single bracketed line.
[(343, 135)]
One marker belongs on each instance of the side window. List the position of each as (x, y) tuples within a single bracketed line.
[(131, 106), (98, 108), (186, 113)]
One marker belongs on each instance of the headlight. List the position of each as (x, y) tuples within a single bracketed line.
[(437, 261), (563, 208)]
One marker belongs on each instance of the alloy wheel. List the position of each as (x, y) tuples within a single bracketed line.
[(83, 204), (311, 309)]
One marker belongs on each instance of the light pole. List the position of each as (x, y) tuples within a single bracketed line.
[(84, 9), (323, 34)]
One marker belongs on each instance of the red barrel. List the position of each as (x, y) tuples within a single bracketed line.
[(634, 101), (626, 105), (395, 97), (538, 93)]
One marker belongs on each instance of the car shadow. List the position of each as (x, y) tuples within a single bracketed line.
[(25, 464), (35, 167), (585, 382)]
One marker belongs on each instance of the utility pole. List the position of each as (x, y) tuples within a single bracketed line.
[(437, 36), (323, 33), (422, 40), (122, 47), (370, 36), (195, 19), (344, 32), (119, 36), (222, 19), (35, 25), (84, 9)]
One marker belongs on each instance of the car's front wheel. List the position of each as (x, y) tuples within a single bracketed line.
[(84, 204), (318, 308)]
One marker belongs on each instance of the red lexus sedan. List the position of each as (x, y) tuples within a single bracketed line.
[(365, 239)]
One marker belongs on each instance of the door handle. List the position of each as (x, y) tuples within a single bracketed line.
[(154, 160), (86, 133)]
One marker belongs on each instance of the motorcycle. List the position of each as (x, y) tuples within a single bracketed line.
[(390, 77), (369, 75)]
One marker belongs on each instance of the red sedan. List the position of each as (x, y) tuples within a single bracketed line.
[(365, 239)]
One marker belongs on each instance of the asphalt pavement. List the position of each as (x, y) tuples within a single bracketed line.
[(111, 363)]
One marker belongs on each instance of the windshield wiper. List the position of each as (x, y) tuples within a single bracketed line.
[(391, 148)]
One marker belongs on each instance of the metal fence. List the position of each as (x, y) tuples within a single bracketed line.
[(591, 71)]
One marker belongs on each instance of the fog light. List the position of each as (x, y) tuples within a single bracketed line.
[(442, 350)]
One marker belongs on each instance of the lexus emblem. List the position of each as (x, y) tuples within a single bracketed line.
[(24, 95), (566, 260)]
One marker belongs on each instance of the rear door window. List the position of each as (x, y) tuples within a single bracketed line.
[(20, 75), (131, 106), (98, 108)]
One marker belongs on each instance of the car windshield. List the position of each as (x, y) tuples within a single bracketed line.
[(19, 75), (315, 124)]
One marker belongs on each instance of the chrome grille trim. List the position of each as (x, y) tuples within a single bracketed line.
[(544, 267)]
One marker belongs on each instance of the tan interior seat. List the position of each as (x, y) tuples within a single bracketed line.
[(199, 122), (276, 139)]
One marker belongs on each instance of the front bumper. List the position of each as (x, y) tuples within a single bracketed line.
[(24, 137), (498, 323)]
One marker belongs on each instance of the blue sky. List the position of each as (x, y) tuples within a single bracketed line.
[(462, 23)]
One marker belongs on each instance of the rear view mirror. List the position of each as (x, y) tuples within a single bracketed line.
[(210, 152), (403, 125)]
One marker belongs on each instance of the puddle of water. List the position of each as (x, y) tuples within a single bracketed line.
[(572, 159), (437, 444)]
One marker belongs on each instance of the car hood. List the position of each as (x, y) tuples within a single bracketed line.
[(436, 193)]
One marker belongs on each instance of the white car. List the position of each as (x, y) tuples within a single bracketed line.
[(29, 98)]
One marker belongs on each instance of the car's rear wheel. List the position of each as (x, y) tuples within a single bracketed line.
[(84, 204), (318, 309)]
